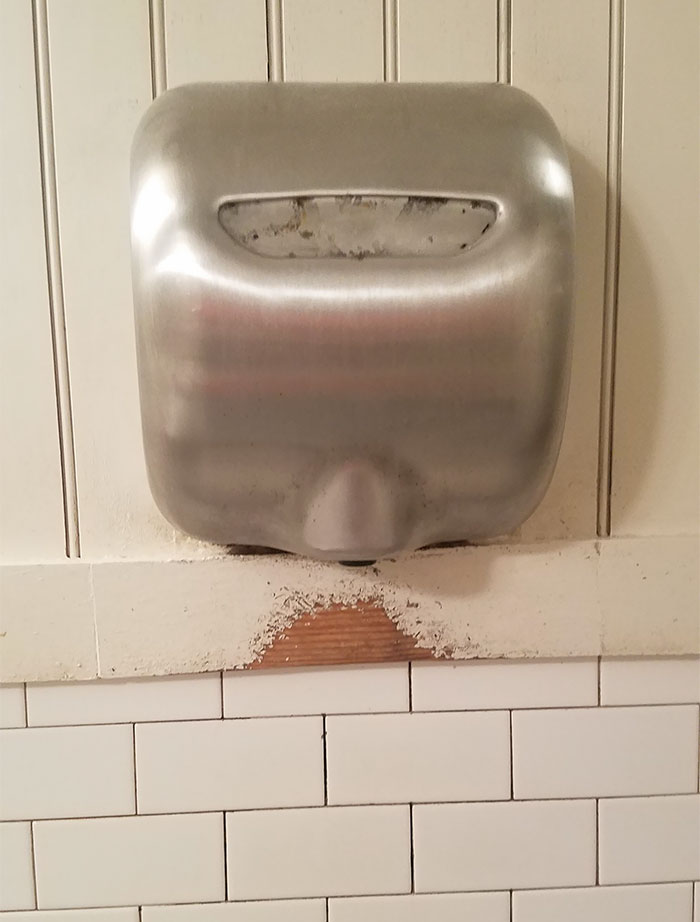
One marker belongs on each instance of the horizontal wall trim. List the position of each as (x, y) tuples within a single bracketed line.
[(615, 596)]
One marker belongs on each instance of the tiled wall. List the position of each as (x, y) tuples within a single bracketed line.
[(480, 792)]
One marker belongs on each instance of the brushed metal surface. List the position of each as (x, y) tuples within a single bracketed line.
[(348, 402)]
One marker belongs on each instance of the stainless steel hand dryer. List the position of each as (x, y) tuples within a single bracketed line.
[(353, 311)]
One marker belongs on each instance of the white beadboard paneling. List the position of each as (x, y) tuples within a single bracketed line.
[(16, 870), (560, 55), (605, 752), (483, 685), (413, 758), (655, 484), (215, 40), (120, 701), (328, 40), (662, 903), (269, 911), (504, 846), (229, 765), (66, 771), (129, 861), (101, 80), (46, 623), (316, 690), (31, 499), (447, 40), (649, 839), (75, 915), (650, 680), (12, 709), (443, 907), (330, 851)]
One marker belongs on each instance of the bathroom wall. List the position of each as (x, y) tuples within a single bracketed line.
[(478, 792), (620, 520), (551, 789)]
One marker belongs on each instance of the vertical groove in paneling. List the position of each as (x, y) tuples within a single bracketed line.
[(275, 40), (560, 56), (504, 51), (612, 253), (391, 61), (55, 274), (156, 23)]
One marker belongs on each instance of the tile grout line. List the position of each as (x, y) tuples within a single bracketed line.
[(510, 737), (274, 27), (504, 41), (225, 856), (363, 805), (325, 762), (613, 206), (159, 68), (413, 850), (26, 707), (391, 41), (597, 841), (369, 714), (133, 753), (34, 874), (600, 671), (410, 687), (223, 710), (54, 266)]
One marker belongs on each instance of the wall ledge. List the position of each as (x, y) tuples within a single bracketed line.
[(108, 619)]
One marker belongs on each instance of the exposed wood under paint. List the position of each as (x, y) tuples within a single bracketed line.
[(342, 634)]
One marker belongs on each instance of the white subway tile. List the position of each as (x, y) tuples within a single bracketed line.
[(442, 907), (66, 772), (129, 861), (328, 851), (649, 839), (187, 697), (75, 915), (399, 758), (268, 911), (650, 680), (333, 690), (12, 706), (504, 846), (488, 684), (16, 873), (229, 764), (661, 903), (605, 752)]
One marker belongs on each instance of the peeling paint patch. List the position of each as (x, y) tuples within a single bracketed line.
[(619, 596)]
